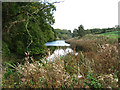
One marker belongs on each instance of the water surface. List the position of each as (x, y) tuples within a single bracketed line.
[(58, 52), (57, 43)]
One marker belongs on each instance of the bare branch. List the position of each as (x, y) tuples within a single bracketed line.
[(57, 2), (49, 6)]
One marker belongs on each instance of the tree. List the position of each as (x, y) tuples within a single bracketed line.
[(74, 33), (63, 34), (81, 31), (69, 31), (27, 26)]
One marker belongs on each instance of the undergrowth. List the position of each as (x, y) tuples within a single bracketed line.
[(95, 66)]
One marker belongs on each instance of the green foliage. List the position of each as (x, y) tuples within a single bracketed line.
[(8, 73), (63, 34), (20, 48), (112, 35), (11, 78), (70, 64), (82, 56), (91, 81), (10, 70), (80, 32), (5, 50), (27, 25), (74, 33), (100, 31)]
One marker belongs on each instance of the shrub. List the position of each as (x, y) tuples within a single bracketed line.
[(5, 50), (91, 81)]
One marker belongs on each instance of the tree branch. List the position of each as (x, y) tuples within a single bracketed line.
[(13, 23), (28, 32), (49, 5)]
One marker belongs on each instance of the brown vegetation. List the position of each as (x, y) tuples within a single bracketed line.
[(95, 66)]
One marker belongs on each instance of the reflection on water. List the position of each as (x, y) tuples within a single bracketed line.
[(59, 52)]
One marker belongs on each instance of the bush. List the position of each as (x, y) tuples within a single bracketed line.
[(5, 50), (91, 81)]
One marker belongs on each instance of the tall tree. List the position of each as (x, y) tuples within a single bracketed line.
[(27, 26), (81, 31), (74, 33)]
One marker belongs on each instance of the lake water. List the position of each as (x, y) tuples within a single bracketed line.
[(57, 43), (58, 52)]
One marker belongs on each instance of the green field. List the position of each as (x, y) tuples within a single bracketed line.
[(114, 34)]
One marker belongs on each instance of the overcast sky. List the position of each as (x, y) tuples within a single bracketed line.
[(90, 13)]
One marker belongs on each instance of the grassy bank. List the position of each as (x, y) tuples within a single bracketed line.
[(95, 66), (114, 34)]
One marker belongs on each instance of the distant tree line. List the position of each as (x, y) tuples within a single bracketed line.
[(100, 31), (63, 34), (80, 32)]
